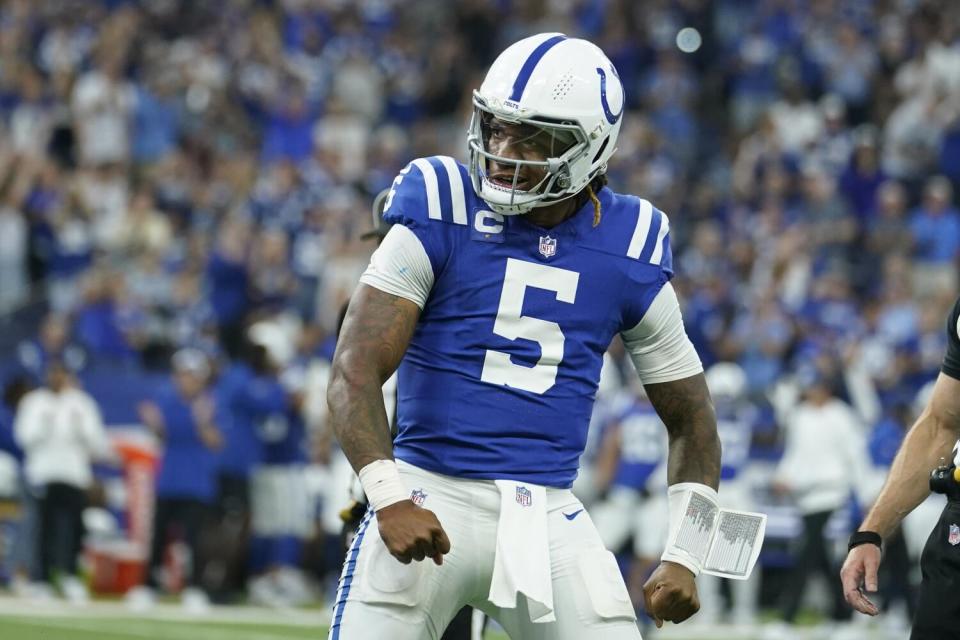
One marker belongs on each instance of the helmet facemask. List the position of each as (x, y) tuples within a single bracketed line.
[(560, 144)]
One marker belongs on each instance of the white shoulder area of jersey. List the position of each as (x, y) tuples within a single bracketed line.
[(649, 232), (658, 344), (446, 183), (400, 266)]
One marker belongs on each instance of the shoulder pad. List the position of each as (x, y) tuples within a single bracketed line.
[(433, 188), (650, 241)]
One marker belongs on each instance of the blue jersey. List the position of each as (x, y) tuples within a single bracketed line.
[(885, 440), (735, 428), (187, 466), (501, 372), (262, 408), (242, 448), (643, 446)]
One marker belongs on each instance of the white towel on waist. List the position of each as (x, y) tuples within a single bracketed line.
[(522, 561)]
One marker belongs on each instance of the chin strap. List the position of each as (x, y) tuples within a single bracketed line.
[(596, 205)]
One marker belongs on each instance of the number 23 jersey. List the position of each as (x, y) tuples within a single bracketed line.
[(501, 373)]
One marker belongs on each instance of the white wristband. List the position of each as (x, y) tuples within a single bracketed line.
[(381, 482), (693, 509)]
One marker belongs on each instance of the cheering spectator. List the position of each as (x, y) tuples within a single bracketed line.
[(13, 256), (103, 102), (935, 227), (228, 281), (52, 343)]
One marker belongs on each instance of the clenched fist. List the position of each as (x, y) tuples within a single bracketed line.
[(412, 533), (671, 594)]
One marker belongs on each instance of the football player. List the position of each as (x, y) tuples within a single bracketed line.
[(496, 293)]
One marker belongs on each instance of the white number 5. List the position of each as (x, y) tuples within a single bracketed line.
[(497, 366)]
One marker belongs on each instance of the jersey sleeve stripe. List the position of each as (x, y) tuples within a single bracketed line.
[(457, 196), (666, 256), (467, 190), (430, 183), (443, 186), (661, 236), (642, 229), (650, 245)]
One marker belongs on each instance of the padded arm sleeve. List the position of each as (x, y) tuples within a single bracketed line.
[(658, 344), (401, 267)]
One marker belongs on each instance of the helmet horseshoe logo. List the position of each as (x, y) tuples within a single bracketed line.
[(610, 116)]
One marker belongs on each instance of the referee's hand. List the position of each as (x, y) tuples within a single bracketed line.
[(859, 577)]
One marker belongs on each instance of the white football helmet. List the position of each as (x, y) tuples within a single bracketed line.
[(563, 86), (726, 381)]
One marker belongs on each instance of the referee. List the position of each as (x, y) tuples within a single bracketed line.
[(925, 446)]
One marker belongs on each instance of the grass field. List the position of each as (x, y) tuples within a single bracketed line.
[(57, 620), (14, 627), (112, 628), (89, 628)]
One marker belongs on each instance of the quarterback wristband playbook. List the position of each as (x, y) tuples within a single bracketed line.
[(705, 538), (858, 538), (381, 483)]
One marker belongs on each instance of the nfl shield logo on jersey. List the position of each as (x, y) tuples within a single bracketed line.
[(548, 246), (524, 497), (418, 496), (954, 537)]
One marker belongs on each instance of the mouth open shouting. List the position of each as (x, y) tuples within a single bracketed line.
[(507, 180), (520, 163)]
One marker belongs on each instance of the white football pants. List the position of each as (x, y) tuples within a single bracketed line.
[(379, 597)]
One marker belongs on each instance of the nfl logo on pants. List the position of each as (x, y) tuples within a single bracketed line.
[(524, 497), (954, 537)]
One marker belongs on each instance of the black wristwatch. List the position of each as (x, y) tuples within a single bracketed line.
[(858, 538)]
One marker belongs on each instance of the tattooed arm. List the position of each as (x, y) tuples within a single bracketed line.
[(673, 375), (687, 411), (374, 337), (684, 406), (668, 364)]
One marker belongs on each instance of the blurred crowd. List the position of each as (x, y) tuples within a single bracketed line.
[(174, 174)]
